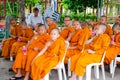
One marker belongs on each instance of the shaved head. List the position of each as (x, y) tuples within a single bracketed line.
[(103, 26)]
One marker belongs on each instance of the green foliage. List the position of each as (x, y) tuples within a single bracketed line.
[(79, 5)]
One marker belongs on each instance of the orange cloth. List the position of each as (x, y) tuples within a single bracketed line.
[(21, 60), (42, 39), (108, 29), (44, 63), (26, 35), (77, 40), (81, 60), (7, 44), (113, 50), (51, 27), (66, 31)]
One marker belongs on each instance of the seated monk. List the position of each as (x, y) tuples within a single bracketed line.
[(67, 29), (29, 51), (103, 20), (92, 54), (49, 57), (25, 36), (51, 24), (117, 20), (76, 41), (114, 47), (14, 33)]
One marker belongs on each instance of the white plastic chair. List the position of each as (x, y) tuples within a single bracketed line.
[(96, 69), (114, 65), (111, 66), (60, 68)]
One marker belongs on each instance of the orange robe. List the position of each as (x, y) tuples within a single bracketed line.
[(80, 61), (76, 40), (51, 27), (108, 29), (26, 35), (113, 50), (52, 56), (21, 60), (66, 31), (7, 44)]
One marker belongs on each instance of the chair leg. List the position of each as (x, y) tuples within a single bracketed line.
[(88, 72), (60, 74), (46, 77), (69, 72), (103, 72), (114, 66), (64, 73), (11, 58), (96, 71), (111, 67)]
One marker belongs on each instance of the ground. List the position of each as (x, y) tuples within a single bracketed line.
[(6, 64)]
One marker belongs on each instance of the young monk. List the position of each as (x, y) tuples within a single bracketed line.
[(49, 57), (51, 24), (93, 53), (117, 20), (25, 36), (67, 29), (14, 33), (76, 41), (36, 44), (103, 20), (114, 47)]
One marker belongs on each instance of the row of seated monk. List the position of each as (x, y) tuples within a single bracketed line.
[(37, 52)]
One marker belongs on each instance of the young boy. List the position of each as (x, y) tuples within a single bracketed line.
[(49, 57), (76, 41), (67, 29), (93, 53), (36, 44), (103, 20), (14, 33), (114, 47), (51, 24), (25, 36)]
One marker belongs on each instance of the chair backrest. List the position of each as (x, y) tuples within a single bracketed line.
[(103, 56), (67, 45)]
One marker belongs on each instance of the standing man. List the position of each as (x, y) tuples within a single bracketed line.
[(34, 19)]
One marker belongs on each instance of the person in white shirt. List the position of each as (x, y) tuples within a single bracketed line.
[(34, 19)]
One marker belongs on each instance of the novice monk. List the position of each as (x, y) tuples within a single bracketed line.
[(92, 54), (114, 47), (49, 57), (14, 33), (51, 24), (67, 29), (26, 35), (37, 43), (76, 41), (103, 20)]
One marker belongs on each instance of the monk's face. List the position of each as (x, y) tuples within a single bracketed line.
[(54, 34), (99, 30), (49, 21), (24, 26), (117, 20), (13, 23), (116, 30), (103, 20), (67, 21), (76, 25), (42, 30)]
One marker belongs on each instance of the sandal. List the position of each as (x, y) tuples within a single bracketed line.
[(16, 78)]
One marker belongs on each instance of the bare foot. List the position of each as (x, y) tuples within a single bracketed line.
[(26, 78)]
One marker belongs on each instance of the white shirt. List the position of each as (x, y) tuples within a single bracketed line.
[(34, 20)]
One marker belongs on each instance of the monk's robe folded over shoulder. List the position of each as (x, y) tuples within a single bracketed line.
[(31, 54), (7, 44), (77, 40), (66, 32), (108, 28), (79, 62), (26, 35), (113, 50), (50, 27), (22, 59), (48, 60)]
